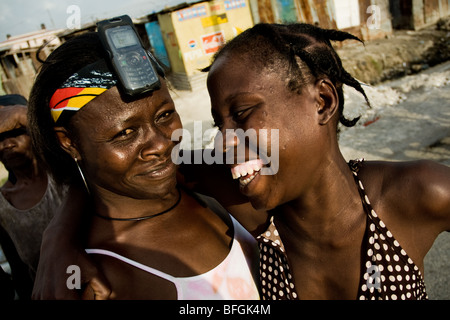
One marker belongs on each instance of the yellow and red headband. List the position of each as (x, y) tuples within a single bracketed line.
[(82, 87)]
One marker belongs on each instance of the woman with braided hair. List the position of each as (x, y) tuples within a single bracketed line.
[(327, 229), (337, 230)]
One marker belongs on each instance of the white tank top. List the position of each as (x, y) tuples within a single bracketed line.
[(232, 279)]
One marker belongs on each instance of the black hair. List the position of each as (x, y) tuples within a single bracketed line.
[(63, 62), (306, 48)]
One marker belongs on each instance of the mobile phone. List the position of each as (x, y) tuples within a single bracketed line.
[(129, 59)]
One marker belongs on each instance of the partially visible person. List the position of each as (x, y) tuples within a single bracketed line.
[(28, 198)]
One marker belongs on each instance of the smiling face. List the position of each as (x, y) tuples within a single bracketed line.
[(125, 148), (258, 98)]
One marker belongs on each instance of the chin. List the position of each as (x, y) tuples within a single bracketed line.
[(263, 203), (163, 186), (147, 189), (261, 193)]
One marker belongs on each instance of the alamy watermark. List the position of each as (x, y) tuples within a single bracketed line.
[(374, 21), (74, 280), (232, 147), (73, 21), (374, 277)]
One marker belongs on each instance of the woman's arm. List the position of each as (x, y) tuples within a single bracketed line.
[(435, 192), (65, 271), (215, 180)]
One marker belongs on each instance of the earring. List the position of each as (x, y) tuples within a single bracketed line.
[(82, 175)]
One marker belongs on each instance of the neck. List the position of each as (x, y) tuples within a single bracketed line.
[(118, 208), (329, 207), (29, 171), (26, 186)]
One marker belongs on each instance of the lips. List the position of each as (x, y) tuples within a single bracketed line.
[(160, 171), (247, 171)]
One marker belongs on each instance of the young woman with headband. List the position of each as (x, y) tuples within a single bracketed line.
[(151, 238)]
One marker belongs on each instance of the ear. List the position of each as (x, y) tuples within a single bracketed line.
[(328, 100), (66, 142)]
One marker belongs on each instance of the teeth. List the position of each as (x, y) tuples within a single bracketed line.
[(256, 167), (246, 168), (244, 182)]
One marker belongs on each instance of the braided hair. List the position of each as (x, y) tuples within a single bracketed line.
[(307, 50)]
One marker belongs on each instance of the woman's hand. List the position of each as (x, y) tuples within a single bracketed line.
[(65, 270), (12, 117)]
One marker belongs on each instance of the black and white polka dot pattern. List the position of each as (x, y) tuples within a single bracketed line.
[(390, 274), (275, 277)]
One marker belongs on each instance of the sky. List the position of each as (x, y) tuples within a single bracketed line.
[(22, 16)]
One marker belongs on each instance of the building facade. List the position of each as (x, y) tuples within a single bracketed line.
[(193, 34), (19, 61), (186, 37), (417, 14)]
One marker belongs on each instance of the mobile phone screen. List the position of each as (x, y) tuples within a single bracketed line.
[(123, 37)]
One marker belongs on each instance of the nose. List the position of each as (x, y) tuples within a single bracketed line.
[(156, 144), (7, 143), (230, 140)]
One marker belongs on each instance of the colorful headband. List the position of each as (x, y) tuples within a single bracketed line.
[(82, 87)]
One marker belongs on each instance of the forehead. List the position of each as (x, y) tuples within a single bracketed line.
[(232, 74), (236, 68), (112, 103)]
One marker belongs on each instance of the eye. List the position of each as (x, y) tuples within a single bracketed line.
[(165, 115), (241, 114), (124, 133)]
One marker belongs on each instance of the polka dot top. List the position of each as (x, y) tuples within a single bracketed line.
[(388, 273), (275, 277)]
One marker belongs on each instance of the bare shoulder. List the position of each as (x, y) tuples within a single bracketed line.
[(418, 190)]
